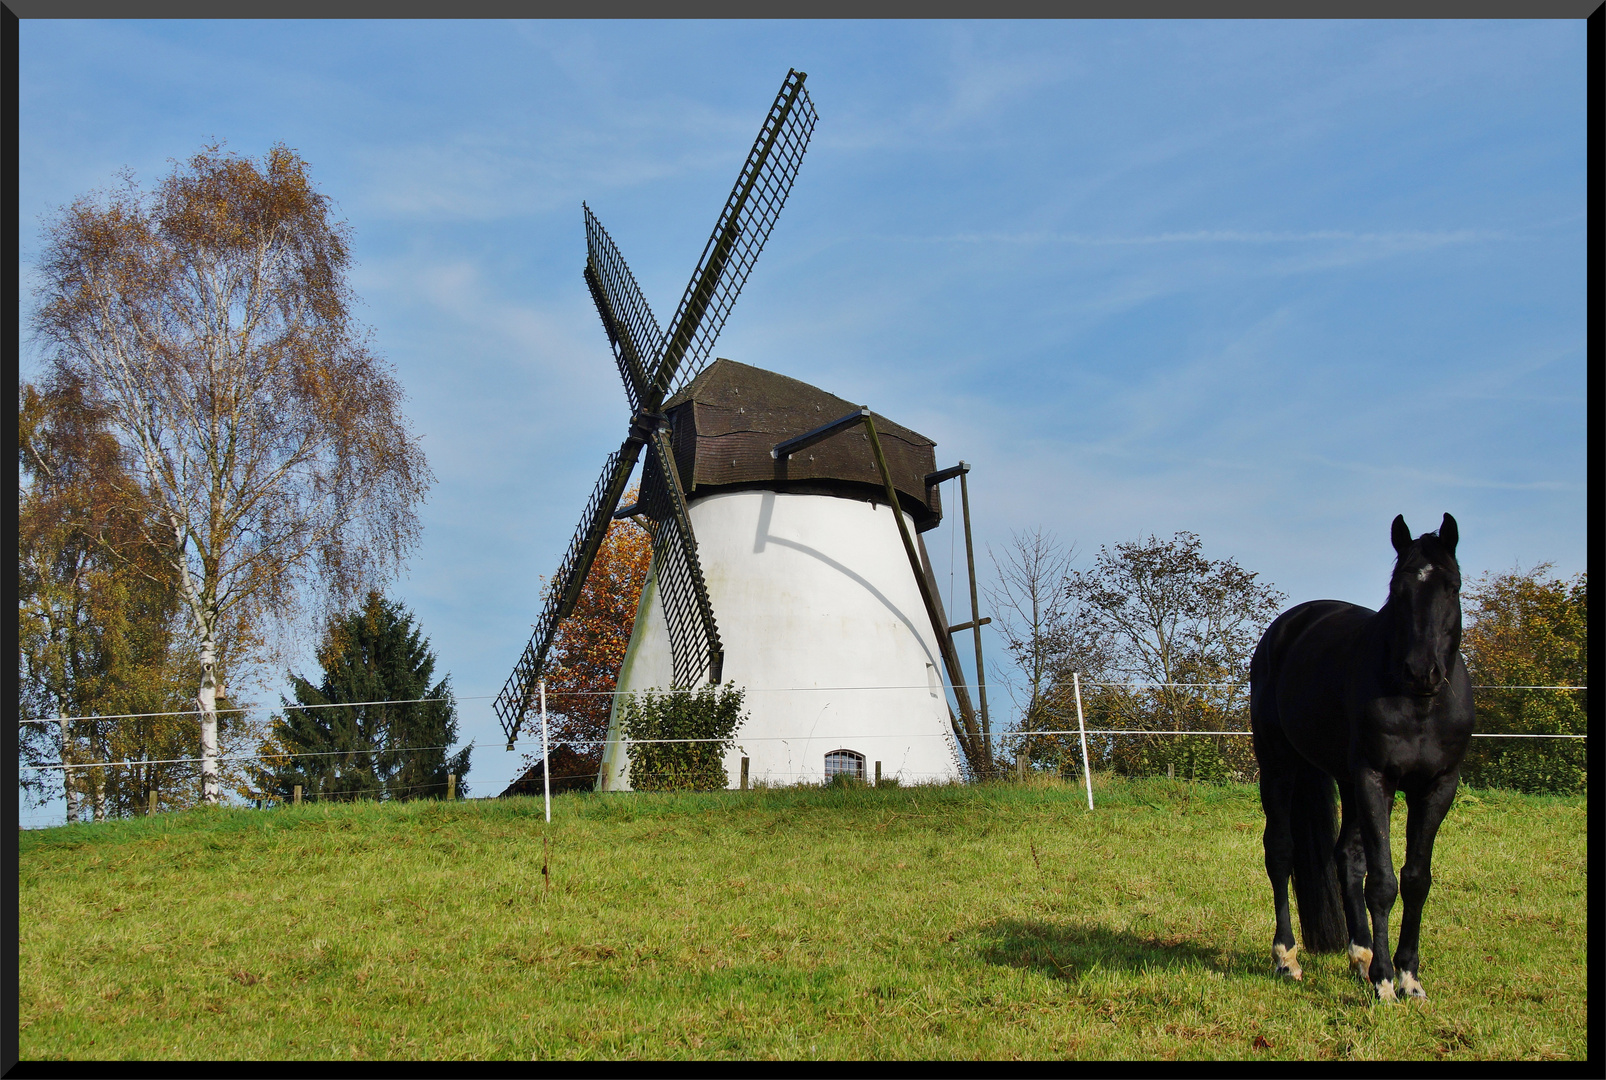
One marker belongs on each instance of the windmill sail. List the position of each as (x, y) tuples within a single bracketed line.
[(632, 330), (694, 644), (648, 360), (516, 697), (744, 225)]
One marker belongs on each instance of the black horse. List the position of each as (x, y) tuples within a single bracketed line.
[(1379, 701)]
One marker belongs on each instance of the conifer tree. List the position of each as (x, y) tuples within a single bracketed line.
[(377, 726)]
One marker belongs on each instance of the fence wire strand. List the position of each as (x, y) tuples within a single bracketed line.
[(1020, 738), (552, 694)]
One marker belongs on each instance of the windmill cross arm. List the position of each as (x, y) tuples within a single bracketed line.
[(633, 333), (944, 475), (783, 450), (739, 235)]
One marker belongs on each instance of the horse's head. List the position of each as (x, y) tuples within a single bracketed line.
[(1425, 607)]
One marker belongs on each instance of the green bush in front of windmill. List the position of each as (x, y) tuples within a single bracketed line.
[(711, 714)]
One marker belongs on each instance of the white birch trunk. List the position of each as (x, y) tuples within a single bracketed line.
[(206, 699), (66, 774), (205, 616)]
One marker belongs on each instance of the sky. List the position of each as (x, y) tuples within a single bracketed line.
[(1269, 282)]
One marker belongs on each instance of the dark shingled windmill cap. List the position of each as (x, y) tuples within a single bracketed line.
[(728, 418)]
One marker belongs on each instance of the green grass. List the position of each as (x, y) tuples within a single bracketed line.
[(998, 921)]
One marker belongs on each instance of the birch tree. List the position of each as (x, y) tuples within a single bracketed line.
[(210, 319)]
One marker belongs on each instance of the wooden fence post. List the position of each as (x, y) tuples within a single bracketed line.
[(150, 803), (298, 794), (744, 774), (451, 786), (878, 774)]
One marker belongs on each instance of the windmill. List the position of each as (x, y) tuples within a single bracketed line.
[(649, 361), (788, 486)]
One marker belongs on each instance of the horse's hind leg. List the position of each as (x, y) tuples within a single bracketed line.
[(1276, 799), (1425, 810), (1350, 855)]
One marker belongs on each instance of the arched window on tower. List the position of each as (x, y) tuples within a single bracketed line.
[(844, 763)]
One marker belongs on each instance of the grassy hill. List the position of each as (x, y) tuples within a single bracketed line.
[(993, 921)]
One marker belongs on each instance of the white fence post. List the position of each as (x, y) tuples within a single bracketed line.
[(1081, 726), (546, 757)]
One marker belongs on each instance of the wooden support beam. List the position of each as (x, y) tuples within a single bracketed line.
[(975, 750), (976, 620)]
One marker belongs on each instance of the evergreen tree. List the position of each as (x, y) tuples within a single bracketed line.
[(348, 747)]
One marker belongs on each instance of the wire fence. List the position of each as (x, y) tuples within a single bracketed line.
[(1022, 742), (678, 690)]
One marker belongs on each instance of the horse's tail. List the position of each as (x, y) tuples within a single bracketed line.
[(1313, 824)]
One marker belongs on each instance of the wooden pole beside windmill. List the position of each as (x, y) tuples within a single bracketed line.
[(977, 741), (979, 751), (976, 620)]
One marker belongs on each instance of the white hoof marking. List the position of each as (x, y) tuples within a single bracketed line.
[(1411, 986), (1360, 962), (1385, 990), (1286, 965)]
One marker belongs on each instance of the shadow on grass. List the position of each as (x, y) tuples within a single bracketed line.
[(1070, 951)]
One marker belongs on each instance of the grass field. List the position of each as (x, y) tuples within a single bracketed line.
[(998, 921)]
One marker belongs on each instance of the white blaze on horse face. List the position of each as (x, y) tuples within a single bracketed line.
[(1423, 574)]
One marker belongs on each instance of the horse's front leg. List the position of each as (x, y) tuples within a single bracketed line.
[(1374, 797), (1425, 810)]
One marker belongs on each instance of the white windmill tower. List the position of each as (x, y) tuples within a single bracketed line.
[(768, 501)]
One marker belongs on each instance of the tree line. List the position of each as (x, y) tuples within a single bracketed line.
[(1160, 638), (212, 456)]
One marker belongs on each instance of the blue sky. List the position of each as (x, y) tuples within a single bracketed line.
[(1271, 282)]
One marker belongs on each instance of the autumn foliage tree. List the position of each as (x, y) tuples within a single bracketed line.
[(1528, 630), (586, 655), (99, 636), (210, 322)]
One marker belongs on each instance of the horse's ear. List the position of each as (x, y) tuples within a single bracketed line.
[(1400, 534), (1449, 534)]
